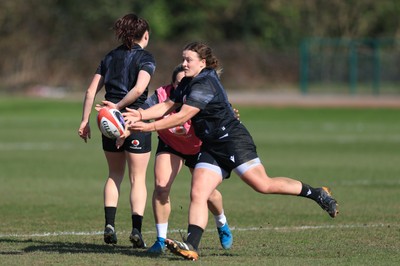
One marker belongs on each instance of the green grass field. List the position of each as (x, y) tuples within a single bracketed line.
[(51, 183)]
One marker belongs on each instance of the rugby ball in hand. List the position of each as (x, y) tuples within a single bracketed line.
[(111, 122)]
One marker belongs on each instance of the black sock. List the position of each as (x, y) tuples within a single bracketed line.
[(137, 222), (109, 213), (309, 192), (194, 235)]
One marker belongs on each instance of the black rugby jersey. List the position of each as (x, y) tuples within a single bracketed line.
[(120, 68), (206, 92)]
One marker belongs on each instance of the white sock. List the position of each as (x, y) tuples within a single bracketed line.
[(162, 230), (220, 220)]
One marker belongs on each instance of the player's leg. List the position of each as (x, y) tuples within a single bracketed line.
[(204, 182), (137, 167), (116, 168), (215, 205), (166, 168), (256, 177)]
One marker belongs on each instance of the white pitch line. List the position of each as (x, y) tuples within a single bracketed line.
[(284, 228)]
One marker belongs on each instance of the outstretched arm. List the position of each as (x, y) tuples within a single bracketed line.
[(179, 118), (156, 111)]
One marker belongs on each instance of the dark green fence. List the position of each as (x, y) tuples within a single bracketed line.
[(350, 66)]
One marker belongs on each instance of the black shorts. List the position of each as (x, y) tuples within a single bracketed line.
[(230, 151), (190, 159), (139, 142)]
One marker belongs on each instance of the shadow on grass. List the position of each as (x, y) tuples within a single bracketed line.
[(70, 247), (58, 247)]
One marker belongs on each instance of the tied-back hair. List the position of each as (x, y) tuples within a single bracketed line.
[(130, 29), (205, 52), (178, 68)]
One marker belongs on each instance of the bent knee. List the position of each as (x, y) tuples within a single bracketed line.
[(161, 191), (215, 196)]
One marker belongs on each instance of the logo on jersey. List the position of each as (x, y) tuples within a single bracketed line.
[(232, 158), (224, 136), (179, 130)]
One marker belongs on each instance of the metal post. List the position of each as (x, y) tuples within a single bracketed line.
[(353, 67), (377, 68), (304, 66)]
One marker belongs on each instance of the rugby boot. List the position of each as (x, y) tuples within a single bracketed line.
[(327, 202), (182, 249), (110, 236), (225, 236), (158, 247), (137, 239)]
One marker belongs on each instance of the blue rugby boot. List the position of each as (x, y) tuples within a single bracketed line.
[(225, 236), (158, 247)]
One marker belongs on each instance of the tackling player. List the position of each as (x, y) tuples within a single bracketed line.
[(226, 144)]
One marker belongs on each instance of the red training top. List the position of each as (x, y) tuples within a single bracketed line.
[(180, 138)]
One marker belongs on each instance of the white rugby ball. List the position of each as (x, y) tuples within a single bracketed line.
[(111, 122)]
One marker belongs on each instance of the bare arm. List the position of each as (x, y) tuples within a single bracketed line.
[(134, 117), (185, 114), (94, 87), (156, 111), (142, 82)]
